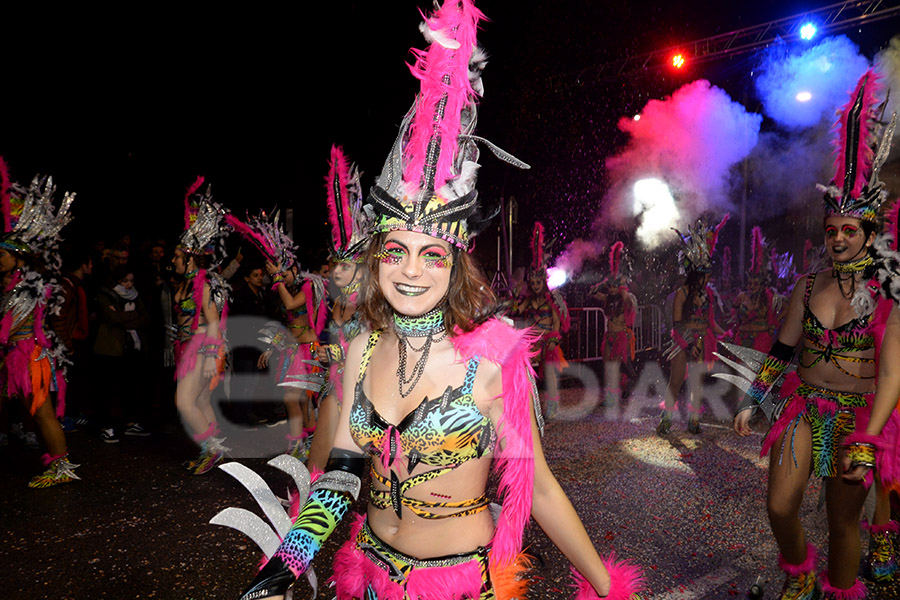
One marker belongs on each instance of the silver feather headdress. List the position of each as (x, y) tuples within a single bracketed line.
[(205, 224), (699, 245), (31, 221)]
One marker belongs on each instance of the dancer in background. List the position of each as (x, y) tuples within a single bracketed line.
[(694, 331), (303, 311), (349, 231), (832, 420), (32, 357), (545, 310), (440, 391), (620, 309), (757, 310), (201, 307)]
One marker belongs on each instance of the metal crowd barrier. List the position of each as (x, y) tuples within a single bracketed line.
[(588, 324)]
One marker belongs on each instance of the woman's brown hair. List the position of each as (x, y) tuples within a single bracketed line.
[(470, 299)]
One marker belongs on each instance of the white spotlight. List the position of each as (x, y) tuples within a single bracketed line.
[(804, 97), (556, 277), (654, 203)]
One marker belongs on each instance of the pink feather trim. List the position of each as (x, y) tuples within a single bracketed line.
[(210, 431), (18, 369), (6, 322), (891, 222), (793, 409), (510, 348), (61, 388), (857, 591), (339, 174), (186, 355), (187, 200), (864, 151), (444, 77), (354, 573), (889, 527), (252, 236), (807, 566), (757, 252), (4, 196), (537, 246), (615, 258), (625, 580), (714, 235), (47, 458)]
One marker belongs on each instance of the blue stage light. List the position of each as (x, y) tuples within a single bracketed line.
[(808, 31)]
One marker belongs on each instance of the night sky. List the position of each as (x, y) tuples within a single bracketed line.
[(126, 108)]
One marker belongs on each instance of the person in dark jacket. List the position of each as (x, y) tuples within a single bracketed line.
[(118, 352)]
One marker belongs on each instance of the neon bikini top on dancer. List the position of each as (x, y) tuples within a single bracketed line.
[(542, 315), (444, 432), (826, 344)]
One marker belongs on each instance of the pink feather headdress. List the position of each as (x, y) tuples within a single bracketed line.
[(861, 148), (759, 254), (349, 222), (726, 266), (268, 236), (428, 181)]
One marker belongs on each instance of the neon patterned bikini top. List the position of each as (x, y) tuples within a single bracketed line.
[(444, 433), (827, 344)]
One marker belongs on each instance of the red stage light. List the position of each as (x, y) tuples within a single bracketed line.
[(678, 61)]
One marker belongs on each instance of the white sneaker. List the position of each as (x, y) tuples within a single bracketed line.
[(109, 436)]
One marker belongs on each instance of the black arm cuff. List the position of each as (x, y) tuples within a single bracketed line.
[(346, 460), (782, 351)]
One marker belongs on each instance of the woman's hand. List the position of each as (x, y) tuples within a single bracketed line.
[(263, 361), (210, 367), (322, 354), (742, 422), (858, 473), (272, 268)]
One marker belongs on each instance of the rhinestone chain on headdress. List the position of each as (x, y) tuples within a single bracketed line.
[(429, 325)]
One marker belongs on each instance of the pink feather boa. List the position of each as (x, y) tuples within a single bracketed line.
[(354, 573), (7, 321), (625, 580), (857, 591), (510, 349)]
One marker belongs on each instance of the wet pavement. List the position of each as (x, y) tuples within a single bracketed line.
[(689, 508)]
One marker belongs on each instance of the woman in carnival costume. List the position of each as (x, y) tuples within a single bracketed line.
[(694, 328), (32, 358), (757, 309), (349, 230), (440, 390), (832, 421), (546, 311), (201, 308), (296, 340), (620, 308)]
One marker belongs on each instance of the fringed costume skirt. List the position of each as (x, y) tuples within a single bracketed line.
[(366, 568), (832, 416)]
